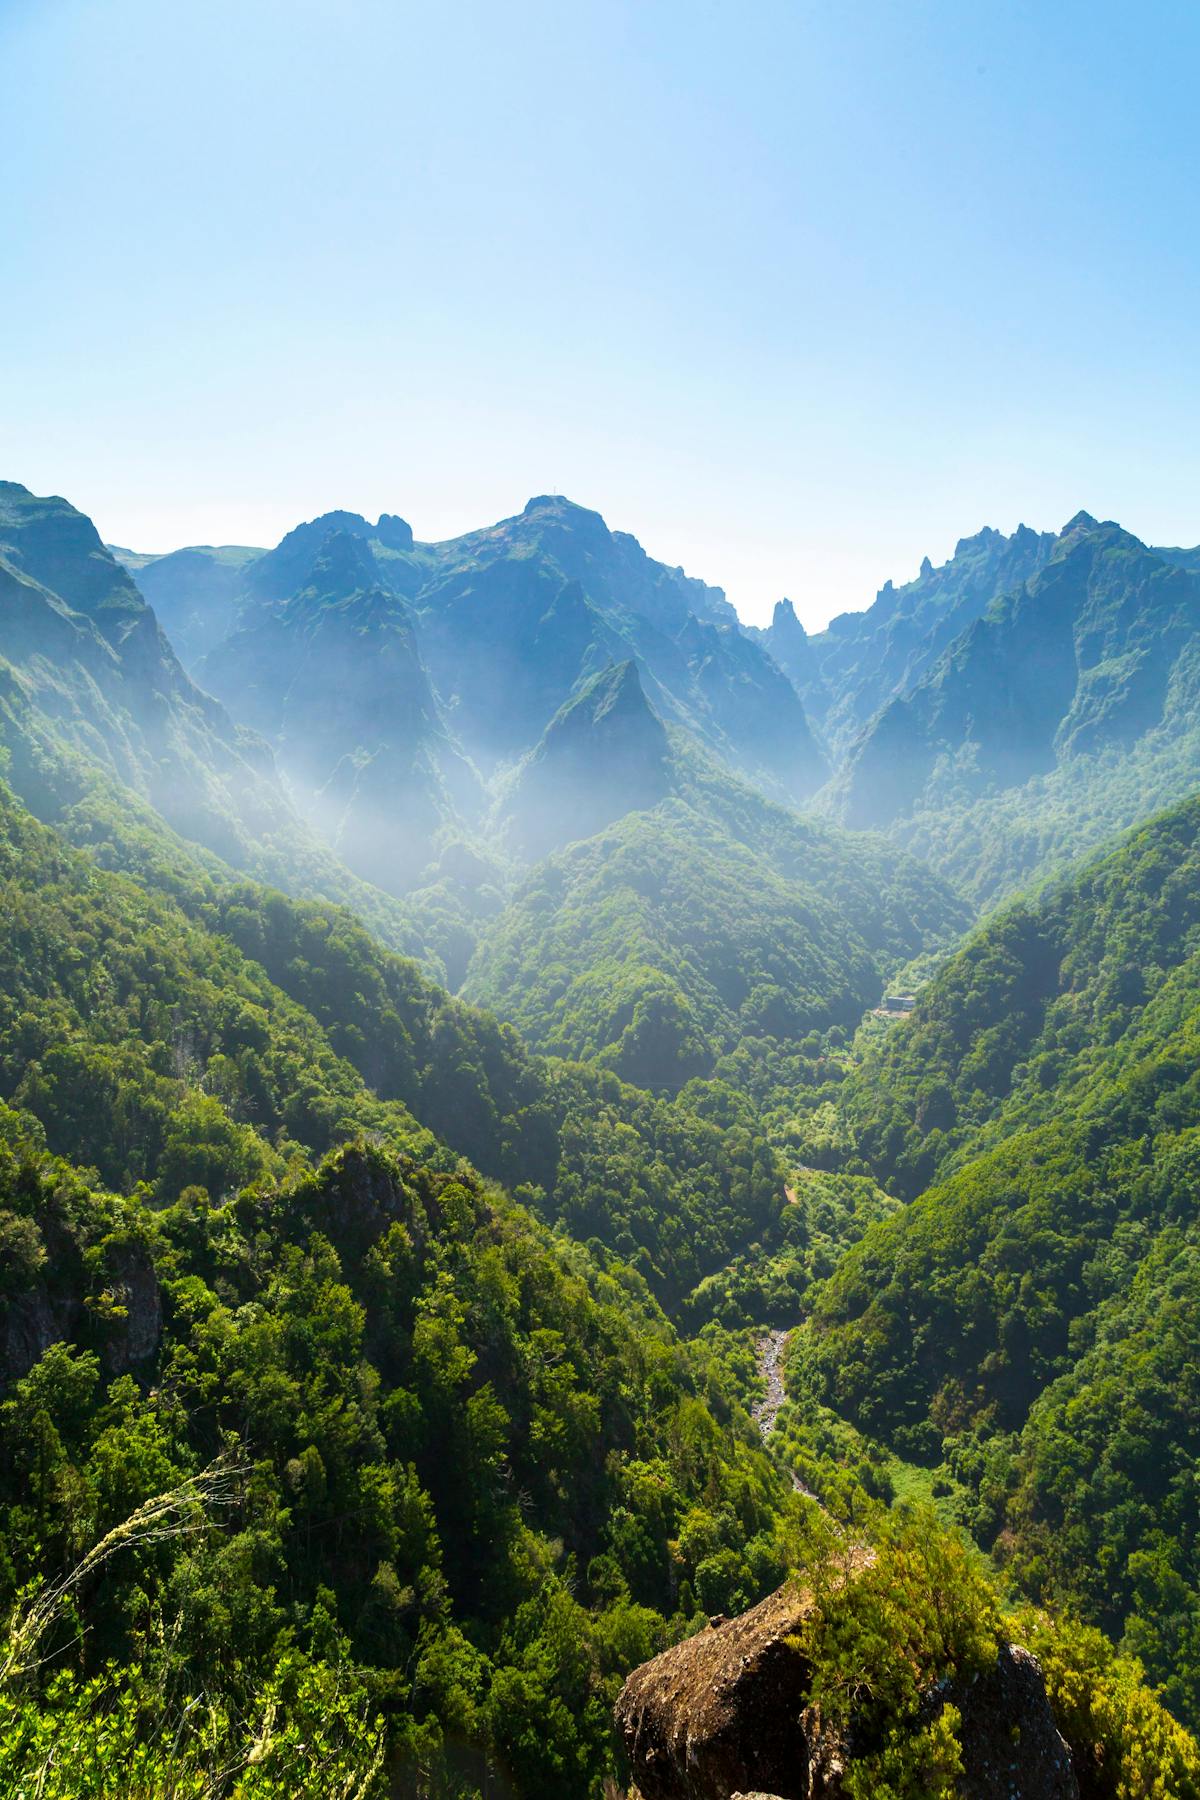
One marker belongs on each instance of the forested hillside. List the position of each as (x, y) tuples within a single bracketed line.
[(378, 1337), (1030, 1319), (322, 1460), (365, 1308), (708, 922)]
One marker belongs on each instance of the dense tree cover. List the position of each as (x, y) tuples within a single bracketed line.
[(1032, 1317), (661, 943), (997, 845), (896, 1648), (209, 1036), (358, 1338), (463, 1461), (768, 1281), (651, 946), (1061, 995), (1106, 1470)]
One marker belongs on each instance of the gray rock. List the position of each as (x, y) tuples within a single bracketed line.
[(134, 1332), (27, 1332), (720, 1713), (1010, 1743), (726, 1716)]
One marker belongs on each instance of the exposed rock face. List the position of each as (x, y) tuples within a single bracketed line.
[(725, 1716), (27, 1330), (135, 1328), (1010, 1743), (720, 1713)]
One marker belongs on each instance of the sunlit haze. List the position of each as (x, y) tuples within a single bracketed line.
[(796, 293)]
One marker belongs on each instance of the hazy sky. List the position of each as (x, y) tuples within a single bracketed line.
[(796, 293)]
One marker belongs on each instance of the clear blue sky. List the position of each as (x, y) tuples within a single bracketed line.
[(797, 293)]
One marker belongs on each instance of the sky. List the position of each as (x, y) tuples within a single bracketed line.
[(797, 293)]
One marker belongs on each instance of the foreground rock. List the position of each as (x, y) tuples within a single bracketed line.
[(1010, 1743), (725, 1716), (720, 1713)]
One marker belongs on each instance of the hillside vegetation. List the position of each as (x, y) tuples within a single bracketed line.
[(464, 1461), (1030, 1318), (671, 937)]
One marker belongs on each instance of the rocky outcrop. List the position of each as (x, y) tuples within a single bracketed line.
[(726, 1715), (1010, 1743), (720, 1713), (28, 1327), (134, 1311)]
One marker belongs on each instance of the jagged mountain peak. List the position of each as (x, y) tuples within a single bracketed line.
[(1092, 654), (343, 565), (616, 693), (603, 754), (283, 570), (983, 539), (863, 660), (56, 545), (394, 532), (559, 506)]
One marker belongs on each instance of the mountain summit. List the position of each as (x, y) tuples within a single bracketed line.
[(602, 755)]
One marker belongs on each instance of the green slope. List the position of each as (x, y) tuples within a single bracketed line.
[(475, 1456), (713, 918), (122, 1007), (103, 733), (1030, 1316)]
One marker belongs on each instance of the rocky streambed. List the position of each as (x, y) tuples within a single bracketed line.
[(770, 1366)]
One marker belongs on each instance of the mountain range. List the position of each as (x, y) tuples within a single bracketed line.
[(466, 1007), (1000, 714)]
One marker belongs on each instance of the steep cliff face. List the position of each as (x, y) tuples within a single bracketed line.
[(728, 1714)]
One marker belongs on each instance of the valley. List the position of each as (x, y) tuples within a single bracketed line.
[(580, 1110)]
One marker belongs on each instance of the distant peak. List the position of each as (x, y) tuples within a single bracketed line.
[(558, 505), (926, 568), (784, 618), (987, 534), (343, 564), (338, 520), (1083, 521), (613, 695), (394, 532), (617, 685)]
